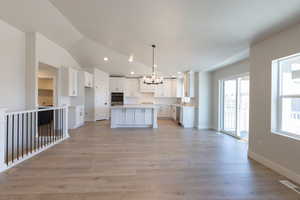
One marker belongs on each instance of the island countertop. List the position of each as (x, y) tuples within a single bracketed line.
[(135, 106)]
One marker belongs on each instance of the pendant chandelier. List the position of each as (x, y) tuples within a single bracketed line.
[(153, 79)]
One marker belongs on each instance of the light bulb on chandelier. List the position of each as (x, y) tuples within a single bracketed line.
[(153, 79)]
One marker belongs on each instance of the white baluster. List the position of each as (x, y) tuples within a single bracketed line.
[(2, 139)]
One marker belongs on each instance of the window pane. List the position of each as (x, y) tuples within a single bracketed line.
[(291, 115), (230, 105), (290, 80)]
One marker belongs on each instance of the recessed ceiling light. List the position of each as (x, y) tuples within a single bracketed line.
[(130, 58), (132, 73), (178, 72), (105, 58)]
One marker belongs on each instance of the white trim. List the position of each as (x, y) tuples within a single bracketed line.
[(290, 96), (203, 128), (286, 134), (236, 76), (277, 99), (4, 168), (275, 166), (36, 110)]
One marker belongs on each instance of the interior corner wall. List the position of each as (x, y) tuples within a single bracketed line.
[(31, 71), (52, 54), (277, 152), (203, 100), (239, 68), (12, 63)]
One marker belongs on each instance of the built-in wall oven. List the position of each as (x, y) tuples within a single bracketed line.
[(117, 98)]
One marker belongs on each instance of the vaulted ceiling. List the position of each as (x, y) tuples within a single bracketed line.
[(190, 34)]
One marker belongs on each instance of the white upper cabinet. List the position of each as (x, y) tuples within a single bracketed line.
[(170, 88), (165, 89), (146, 88), (131, 87), (70, 80), (88, 79), (189, 78), (178, 87), (117, 84)]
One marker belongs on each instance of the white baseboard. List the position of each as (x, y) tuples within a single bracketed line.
[(276, 167), (203, 128)]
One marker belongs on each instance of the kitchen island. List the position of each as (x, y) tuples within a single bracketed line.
[(134, 116)]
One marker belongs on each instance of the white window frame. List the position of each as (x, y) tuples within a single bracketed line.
[(277, 99)]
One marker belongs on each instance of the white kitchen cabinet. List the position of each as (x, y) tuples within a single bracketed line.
[(117, 84), (173, 112), (177, 90), (165, 89), (88, 79), (131, 116), (70, 81), (164, 111), (76, 116), (147, 88), (189, 89), (187, 116), (131, 87)]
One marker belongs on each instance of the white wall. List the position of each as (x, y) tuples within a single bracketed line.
[(232, 70), (278, 152), (52, 54), (12, 64), (203, 100), (39, 49)]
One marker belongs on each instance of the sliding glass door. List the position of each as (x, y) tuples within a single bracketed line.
[(230, 107), (235, 106)]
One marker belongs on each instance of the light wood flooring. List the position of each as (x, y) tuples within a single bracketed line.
[(169, 163)]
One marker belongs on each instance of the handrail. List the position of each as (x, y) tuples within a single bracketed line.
[(36, 110)]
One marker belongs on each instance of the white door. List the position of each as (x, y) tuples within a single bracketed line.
[(101, 95)]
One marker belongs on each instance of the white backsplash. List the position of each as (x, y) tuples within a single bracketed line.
[(149, 98)]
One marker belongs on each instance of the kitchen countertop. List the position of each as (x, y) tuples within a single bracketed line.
[(182, 105), (153, 106)]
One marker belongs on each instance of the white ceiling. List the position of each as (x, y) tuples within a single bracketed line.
[(190, 34), (40, 16)]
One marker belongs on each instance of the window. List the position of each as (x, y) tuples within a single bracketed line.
[(286, 92)]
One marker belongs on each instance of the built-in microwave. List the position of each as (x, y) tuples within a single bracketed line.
[(117, 98)]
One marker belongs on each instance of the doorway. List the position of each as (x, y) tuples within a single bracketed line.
[(234, 108), (47, 85)]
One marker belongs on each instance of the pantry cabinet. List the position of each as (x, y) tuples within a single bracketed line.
[(70, 82), (189, 78), (88, 79), (178, 88)]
